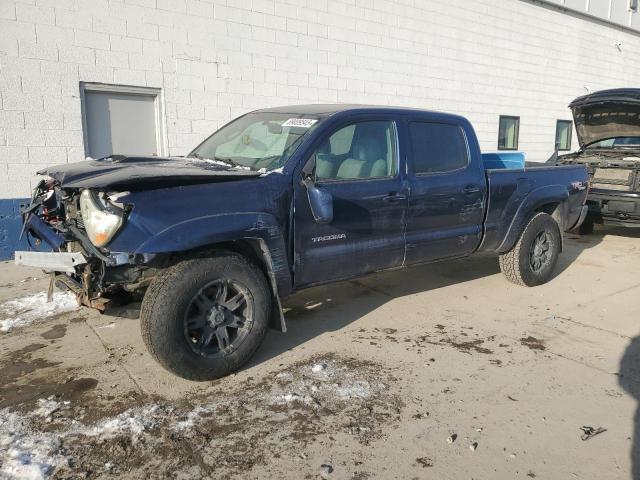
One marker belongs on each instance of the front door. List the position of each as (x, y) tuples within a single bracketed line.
[(448, 192), (358, 165)]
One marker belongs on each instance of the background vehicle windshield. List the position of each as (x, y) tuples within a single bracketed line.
[(617, 142), (259, 141)]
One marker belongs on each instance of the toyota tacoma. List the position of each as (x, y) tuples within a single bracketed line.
[(283, 199)]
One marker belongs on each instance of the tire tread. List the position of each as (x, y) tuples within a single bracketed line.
[(510, 261), (156, 300)]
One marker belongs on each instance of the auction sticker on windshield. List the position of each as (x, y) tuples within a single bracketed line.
[(299, 122)]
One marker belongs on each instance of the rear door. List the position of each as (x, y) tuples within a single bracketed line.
[(448, 192), (358, 164)]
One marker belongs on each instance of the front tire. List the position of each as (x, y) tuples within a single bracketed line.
[(534, 256), (204, 318)]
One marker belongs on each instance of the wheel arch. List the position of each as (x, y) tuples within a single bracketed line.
[(550, 199), (256, 236), (258, 251)]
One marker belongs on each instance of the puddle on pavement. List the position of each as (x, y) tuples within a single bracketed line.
[(55, 332), (533, 343), (21, 387)]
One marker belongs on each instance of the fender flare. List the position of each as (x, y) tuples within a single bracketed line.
[(528, 207), (259, 228)]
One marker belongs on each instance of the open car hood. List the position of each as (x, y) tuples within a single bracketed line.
[(137, 173), (607, 114)]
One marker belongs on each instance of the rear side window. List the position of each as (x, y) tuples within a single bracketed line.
[(437, 147)]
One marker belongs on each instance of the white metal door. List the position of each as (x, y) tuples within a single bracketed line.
[(120, 123)]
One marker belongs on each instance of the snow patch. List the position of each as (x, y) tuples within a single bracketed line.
[(356, 389), (132, 422), (212, 161), (284, 376), (323, 383), (27, 454), (318, 367), (263, 171), (193, 417), (48, 406), (26, 310)]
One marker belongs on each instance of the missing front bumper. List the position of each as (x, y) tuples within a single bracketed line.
[(60, 264), (51, 261), (62, 280)]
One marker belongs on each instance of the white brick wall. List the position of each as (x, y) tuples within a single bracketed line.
[(217, 59)]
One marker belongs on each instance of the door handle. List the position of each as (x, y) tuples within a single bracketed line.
[(469, 189), (394, 197)]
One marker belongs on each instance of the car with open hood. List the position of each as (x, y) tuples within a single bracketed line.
[(608, 129), (283, 199)]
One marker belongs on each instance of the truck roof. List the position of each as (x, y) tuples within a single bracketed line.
[(333, 108)]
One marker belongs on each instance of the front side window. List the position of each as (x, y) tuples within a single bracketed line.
[(437, 147), (362, 150), (258, 141), (508, 133), (563, 134)]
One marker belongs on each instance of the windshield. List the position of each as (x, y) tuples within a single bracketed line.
[(257, 141), (629, 142)]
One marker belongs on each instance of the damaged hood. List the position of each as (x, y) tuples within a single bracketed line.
[(143, 172), (607, 114)]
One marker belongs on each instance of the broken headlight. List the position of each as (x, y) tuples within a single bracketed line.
[(101, 219)]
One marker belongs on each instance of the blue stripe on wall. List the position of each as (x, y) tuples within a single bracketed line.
[(10, 226)]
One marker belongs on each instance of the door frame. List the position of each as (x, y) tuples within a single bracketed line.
[(401, 172), (162, 142), (345, 122), (414, 177)]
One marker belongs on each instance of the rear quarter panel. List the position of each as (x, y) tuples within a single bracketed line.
[(515, 195)]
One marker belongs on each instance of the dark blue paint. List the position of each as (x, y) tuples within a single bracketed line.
[(373, 232), (37, 226), (184, 218), (514, 194), (10, 227), (446, 210), (377, 224)]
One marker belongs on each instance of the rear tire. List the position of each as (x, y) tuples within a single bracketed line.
[(204, 318), (534, 256)]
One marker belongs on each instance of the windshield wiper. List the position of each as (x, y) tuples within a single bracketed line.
[(224, 160)]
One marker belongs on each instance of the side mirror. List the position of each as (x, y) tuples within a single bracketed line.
[(321, 202)]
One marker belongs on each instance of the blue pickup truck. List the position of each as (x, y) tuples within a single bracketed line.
[(283, 199)]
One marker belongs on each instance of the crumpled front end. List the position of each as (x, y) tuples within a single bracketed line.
[(77, 226)]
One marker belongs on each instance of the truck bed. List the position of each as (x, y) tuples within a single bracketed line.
[(543, 187)]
